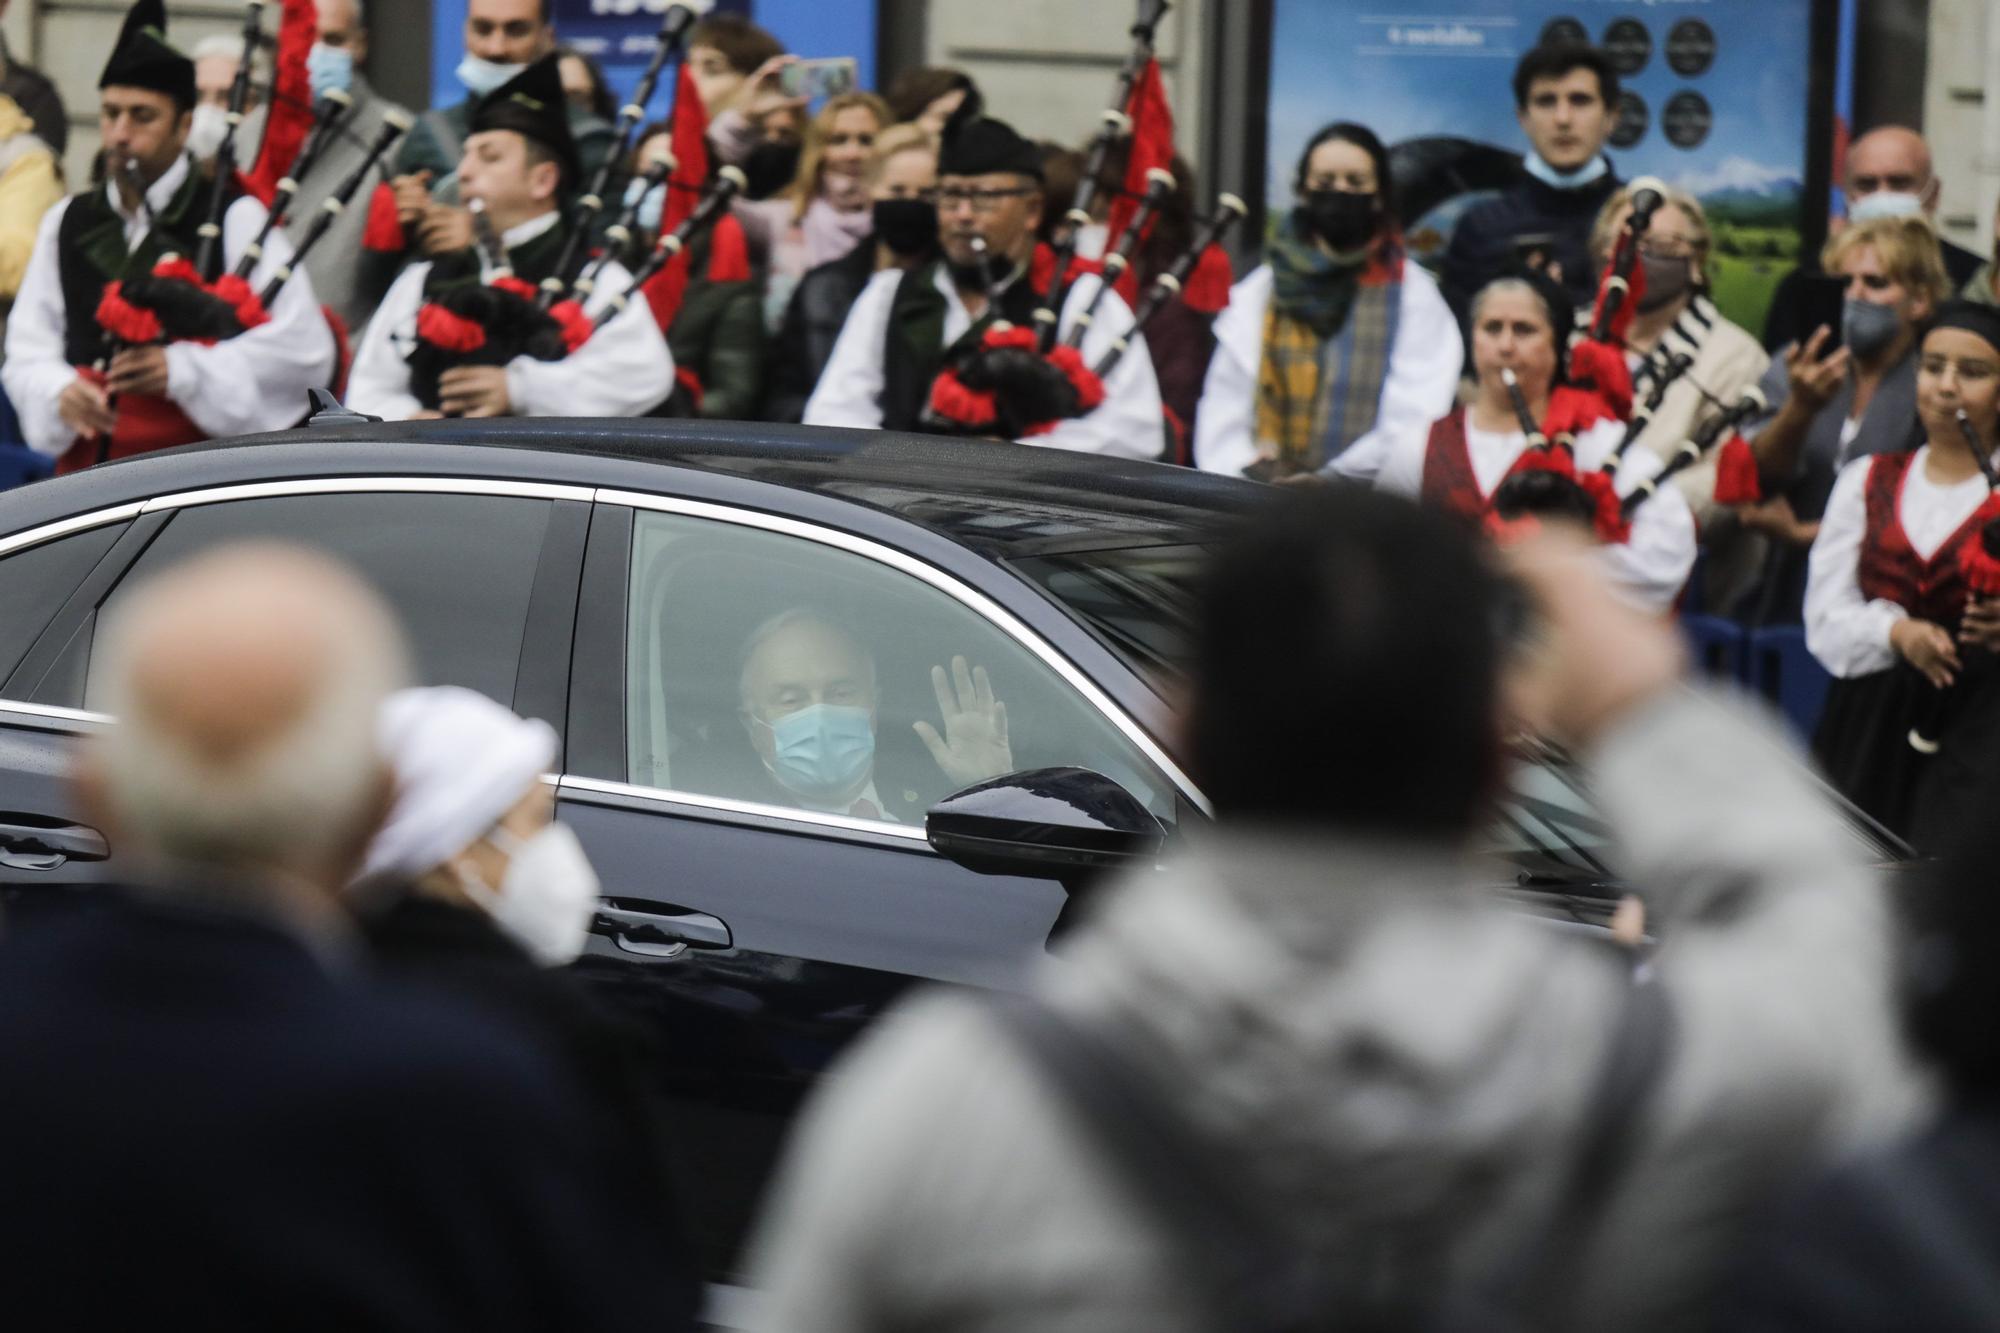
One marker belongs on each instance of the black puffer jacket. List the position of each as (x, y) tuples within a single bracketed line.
[(812, 324), (1483, 244)]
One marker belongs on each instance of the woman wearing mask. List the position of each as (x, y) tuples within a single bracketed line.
[(1460, 462), (1888, 609), (717, 332), (902, 189), (824, 214), (1676, 319), (1834, 407), (470, 888), (1337, 347)]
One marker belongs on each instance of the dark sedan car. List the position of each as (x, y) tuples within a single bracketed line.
[(607, 576)]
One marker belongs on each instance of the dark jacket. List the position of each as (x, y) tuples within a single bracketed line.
[(1904, 1239), (813, 321), (1784, 322), (718, 336), (1180, 340), (1483, 245), (209, 1125)]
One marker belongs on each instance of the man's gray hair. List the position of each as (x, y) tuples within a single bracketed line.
[(784, 620), (295, 797)]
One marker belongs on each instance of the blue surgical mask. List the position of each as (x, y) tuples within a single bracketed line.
[(1867, 328), (329, 67), (649, 211), (823, 752), (1588, 174), (481, 76)]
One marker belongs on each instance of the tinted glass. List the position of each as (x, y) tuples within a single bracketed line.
[(771, 669), (36, 582), (457, 569), (1139, 601)]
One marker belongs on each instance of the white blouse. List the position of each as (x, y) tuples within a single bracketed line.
[(1650, 569), (1848, 633)]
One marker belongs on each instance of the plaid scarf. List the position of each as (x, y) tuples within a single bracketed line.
[(1328, 335)]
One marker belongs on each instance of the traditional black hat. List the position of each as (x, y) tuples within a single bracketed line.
[(531, 104), (142, 57), (976, 145), (1981, 321)]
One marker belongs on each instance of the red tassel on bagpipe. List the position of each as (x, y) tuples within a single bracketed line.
[(1628, 309), (384, 232), (124, 321), (1574, 410), (576, 326), (1610, 524), (1600, 368), (1979, 565), (239, 294), (1736, 479), (178, 269), (1207, 288), (1019, 337), (521, 287), (954, 402), (290, 116), (453, 333), (1089, 388)]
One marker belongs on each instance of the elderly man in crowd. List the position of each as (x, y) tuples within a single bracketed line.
[(210, 1093)]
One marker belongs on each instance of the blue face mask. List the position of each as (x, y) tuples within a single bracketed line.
[(649, 211), (481, 76), (823, 752), (329, 67)]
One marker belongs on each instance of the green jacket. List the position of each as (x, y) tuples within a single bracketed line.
[(719, 336)]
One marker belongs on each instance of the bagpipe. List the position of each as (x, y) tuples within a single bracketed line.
[(1979, 563), (190, 300)]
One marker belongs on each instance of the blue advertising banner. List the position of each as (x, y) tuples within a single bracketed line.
[(1716, 101)]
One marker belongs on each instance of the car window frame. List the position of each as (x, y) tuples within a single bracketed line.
[(546, 683), (598, 692)]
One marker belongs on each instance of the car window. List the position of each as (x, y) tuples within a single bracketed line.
[(1140, 600), (768, 668), (34, 584), (456, 569)]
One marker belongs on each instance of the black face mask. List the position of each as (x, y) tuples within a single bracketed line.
[(1343, 220), (770, 168), (909, 227)]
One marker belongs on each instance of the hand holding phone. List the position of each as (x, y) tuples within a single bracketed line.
[(817, 79)]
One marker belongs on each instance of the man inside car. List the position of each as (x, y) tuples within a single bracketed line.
[(810, 705)]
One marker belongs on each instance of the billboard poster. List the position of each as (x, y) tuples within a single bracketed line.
[(1716, 98), (617, 33)]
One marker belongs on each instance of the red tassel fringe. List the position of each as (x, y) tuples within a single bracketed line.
[(521, 287), (1611, 525), (384, 232), (1207, 288), (1981, 569), (1736, 479), (250, 311), (1601, 367), (123, 320), (453, 333), (1089, 388), (576, 326), (1021, 338), (954, 402)]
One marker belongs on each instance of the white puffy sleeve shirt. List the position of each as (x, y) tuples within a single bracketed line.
[(254, 382), (624, 369), (1846, 631), (1424, 366), (1130, 423)]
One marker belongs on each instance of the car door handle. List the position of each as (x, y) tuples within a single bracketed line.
[(660, 934), (36, 847)]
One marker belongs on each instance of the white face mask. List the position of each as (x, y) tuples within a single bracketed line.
[(1885, 204), (205, 135), (481, 76), (547, 896)]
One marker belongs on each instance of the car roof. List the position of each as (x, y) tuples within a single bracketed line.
[(997, 498)]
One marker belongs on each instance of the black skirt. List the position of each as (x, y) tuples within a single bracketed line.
[(1863, 743)]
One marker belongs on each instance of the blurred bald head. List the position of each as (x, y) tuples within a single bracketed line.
[(1891, 160), (246, 683)]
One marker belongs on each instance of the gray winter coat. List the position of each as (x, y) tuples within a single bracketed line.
[(1394, 1058)]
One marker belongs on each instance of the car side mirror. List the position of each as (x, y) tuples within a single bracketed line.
[(1044, 823)]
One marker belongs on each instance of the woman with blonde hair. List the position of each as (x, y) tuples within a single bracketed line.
[(1833, 407), (825, 212)]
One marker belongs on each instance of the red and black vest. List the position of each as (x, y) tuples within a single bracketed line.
[(1890, 568)]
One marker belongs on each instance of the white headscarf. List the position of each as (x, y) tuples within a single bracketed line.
[(461, 762)]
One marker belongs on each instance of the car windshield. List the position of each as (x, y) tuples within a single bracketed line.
[(1140, 602)]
